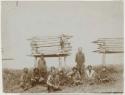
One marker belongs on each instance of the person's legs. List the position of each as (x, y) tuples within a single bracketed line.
[(22, 85), (33, 82), (79, 68), (50, 88)]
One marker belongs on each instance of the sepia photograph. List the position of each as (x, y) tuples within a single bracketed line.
[(62, 46)]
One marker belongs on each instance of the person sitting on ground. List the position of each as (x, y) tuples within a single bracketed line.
[(36, 78), (103, 76), (63, 78), (90, 75), (75, 76), (25, 79), (53, 80)]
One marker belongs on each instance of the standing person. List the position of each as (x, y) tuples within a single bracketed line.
[(80, 60), (42, 66)]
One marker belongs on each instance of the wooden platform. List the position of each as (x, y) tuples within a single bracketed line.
[(51, 55)]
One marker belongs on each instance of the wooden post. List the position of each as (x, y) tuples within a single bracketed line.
[(60, 63), (104, 58), (104, 55), (65, 62)]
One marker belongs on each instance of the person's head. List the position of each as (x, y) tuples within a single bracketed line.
[(74, 69), (89, 67), (42, 56), (103, 68), (53, 70), (25, 70), (80, 49), (36, 70), (61, 72)]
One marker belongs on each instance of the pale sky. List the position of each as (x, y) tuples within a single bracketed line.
[(86, 21)]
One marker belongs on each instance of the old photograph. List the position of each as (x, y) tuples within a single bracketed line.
[(62, 46)]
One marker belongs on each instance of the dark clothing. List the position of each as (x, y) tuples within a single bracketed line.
[(104, 76), (37, 79), (63, 79), (25, 81), (53, 82), (42, 67), (52, 89), (80, 59)]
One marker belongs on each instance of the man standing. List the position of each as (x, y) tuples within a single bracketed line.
[(80, 60)]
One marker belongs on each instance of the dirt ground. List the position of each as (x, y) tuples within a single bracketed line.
[(115, 86)]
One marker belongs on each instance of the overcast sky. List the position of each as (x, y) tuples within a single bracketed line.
[(86, 21)]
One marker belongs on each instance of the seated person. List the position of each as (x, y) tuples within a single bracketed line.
[(25, 79), (36, 79), (53, 80), (104, 75), (90, 75), (63, 78), (75, 76)]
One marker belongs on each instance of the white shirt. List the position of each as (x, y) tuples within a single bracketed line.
[(91, 74)]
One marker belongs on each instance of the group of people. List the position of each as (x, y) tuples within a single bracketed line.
[(55, 79)]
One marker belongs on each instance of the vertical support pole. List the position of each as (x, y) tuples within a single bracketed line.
[(65, 62), (60, 63), (104, 55), (104, 58), (36, 61)]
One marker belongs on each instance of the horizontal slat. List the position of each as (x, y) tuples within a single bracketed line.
[(40, 44), (109, 51), (52, 55), (49, 38)]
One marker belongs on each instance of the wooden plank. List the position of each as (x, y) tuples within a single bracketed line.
[(38, 46), (49, 38), (49, 44), (51, 55), (98, 51)]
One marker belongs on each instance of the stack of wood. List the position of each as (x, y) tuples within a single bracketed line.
[(110, 45), (51, 46)]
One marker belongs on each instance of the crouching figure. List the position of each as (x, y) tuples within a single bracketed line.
[(53, 83), (75, 76), (103, 76), (90, 75), (25, 79), (36, 79)]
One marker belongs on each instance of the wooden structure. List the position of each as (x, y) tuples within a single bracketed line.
[(109, 46), (51, 46)]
